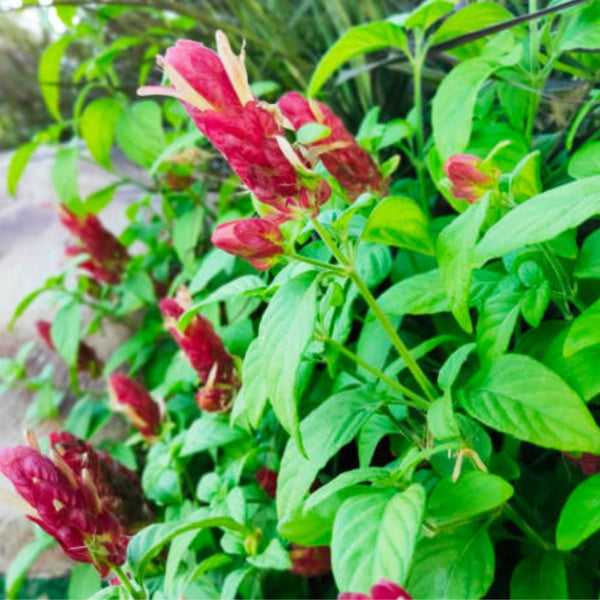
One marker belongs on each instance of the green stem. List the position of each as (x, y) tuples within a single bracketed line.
[(417, 401), (561, 277), (126, 583), (330, 244), (526, 528), (318, 263), (419, 161), (388, 327), (403, 429), (399, 345)]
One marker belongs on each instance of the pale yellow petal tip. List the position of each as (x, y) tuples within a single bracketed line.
[(234, 67)]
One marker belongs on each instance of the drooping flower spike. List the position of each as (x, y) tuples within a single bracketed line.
[(76, 497), (215, 92), (130, 398), (107, 256), (206, 353)]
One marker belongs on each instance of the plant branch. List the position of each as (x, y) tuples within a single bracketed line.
[(417, 401), (388, 327)]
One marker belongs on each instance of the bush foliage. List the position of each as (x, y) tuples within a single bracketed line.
[(379, 379)]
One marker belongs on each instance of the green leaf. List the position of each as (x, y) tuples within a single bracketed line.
[(519, 396), (539, 577), (383, 545), (441, 419), (148, 542), (274, 556), (496, 323), (98, 125), (283, 337), (582, 31), (427, 13), (64, 177), (23, 561), (209, 431), (139, 132), (588, 261), (525, 179), (458, 563), (18, 163), (585, 162), (541, 218), (100, 199), (346, 479), (399, 221), (66, 330), (579, 370), (312, 132), (232, 289), (455, 250), (454, 363), (454, 104), (254, 388), (356, 42), (584, 331), (580, 516), (474, 493), (161, 479), (49, 74), (329, 427), (84, 582), (374, 430), (468, 19), (421, 294), (186, 230)]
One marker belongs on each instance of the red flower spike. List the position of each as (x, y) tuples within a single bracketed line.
[(67, 507), (256, 240), (118, 487), (310, 561), (214, 90), (133, 400), (107, 255), (384, 589), (342, 156), (206, 353), (469, 177), (267, 479)]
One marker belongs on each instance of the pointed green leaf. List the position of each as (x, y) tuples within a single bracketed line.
[(519, 396), (356, 42), (374, 536)]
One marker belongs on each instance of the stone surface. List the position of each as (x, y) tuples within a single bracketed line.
[(32, 242)]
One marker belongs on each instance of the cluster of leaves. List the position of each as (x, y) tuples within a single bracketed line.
[(423, 382)]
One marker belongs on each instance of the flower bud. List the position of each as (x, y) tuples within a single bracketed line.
[(256, 240), (130, 398), (470, 179)]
